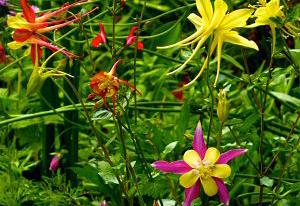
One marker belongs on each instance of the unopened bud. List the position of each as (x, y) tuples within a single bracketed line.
[(223, 107)]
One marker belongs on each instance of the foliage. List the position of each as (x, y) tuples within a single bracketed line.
[(107, 154)]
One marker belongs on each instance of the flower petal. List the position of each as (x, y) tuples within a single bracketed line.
[(211, 156), (223, 192), (221, 171), (15, 45), (97, 41), (177, 167), (196, 20), (17, 22), (192, 158), (220, 9), (229, 155), (199, 143), (36, 53), (205, 9), (233, 37), (28, 12), (209, 186), (191, 193), (236, 18), (188, 179)]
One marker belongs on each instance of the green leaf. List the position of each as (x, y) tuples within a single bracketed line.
[(88, 172), (170, 147), (106, 172), (266, 181), (286, 98)]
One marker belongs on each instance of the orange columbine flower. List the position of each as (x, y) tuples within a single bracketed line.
[(106, 85), (30, 29)]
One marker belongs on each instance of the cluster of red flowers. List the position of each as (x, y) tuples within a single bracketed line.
[(130, 39)]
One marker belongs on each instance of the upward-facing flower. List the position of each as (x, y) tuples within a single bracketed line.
[(106, 84), (219, 25), (30, 29), (202, 166)]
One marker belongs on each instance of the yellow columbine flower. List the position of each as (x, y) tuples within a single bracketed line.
[(266, 14), (217, 24)]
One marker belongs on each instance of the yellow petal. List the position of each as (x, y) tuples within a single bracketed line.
[(236, 18), (233, 37), (211, 156), (219, 13), (195, 19), (209, 185), (221, 171), (205, 9), (219, 53), (192, 158), (17, 22), (188, 179), (15, 45)]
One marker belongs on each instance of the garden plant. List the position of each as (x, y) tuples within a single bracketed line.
[(149, 102)]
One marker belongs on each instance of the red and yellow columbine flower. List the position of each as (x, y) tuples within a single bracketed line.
[(100, 38), (202, 166), (217, 24), (106, 85), (30, 29)]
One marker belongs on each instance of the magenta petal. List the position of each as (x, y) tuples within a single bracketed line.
[(177, 167), (191, 194), (199, 143), (230, 154), (222, 190)]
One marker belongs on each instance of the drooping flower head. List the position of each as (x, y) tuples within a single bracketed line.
[(100, 38), (30, 29), (202, 166), (55, 162), (106, 84), (131, 38), (218, 24)]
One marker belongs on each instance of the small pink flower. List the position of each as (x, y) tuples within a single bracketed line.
[(202, 166), (100, 38), (131, 38), (55, 163), (103, 203)]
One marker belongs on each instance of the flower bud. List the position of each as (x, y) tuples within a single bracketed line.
[(55, 162), (223, 107), (103, 203)]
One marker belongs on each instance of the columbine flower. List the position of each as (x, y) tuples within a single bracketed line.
[(5, 8), (106, 85), (55, 162), (202, 166), (100, 38), (30, 29), (131, 38), (220, 26), (267, 13), (3, 57)]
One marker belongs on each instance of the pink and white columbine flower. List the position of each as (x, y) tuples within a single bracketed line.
[(202, 166)]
